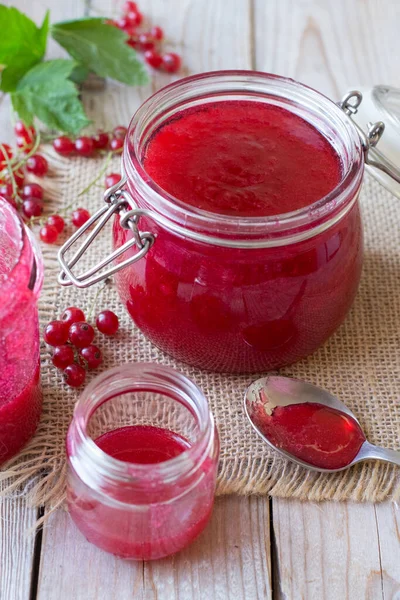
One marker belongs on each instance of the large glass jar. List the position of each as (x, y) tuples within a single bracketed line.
[(236, 294), (282, 286), (141, 510), (20, 283)]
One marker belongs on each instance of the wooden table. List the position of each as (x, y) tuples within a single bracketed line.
[(254, 548)]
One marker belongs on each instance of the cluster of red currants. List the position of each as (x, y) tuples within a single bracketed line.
[(28, 198), (72, 338), (146, 41), (88, 146)]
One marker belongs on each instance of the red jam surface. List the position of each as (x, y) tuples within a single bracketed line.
[(242, 158), (242, 310), (321, 436), (19, 417), (142, 444), (138, 529)]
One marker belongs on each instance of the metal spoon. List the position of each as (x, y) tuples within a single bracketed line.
[(282, 391)]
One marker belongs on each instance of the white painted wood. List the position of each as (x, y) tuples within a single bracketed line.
[(16, 549), (388, 524), (73, 569), (332, 46), (229, 561), (327, 551)]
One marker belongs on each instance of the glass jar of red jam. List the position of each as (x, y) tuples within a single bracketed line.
[(237, 237), (20, 283), (142, 461)]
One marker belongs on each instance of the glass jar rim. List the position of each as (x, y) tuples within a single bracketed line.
[(266, 85), (136, 377), (9, 212)]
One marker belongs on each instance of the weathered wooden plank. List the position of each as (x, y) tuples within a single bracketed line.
[(388, 524), (71, 568), (16, 548), (327, 551), (229, 561), (332, 46)]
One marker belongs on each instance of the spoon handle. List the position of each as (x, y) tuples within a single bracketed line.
[(385, 454)]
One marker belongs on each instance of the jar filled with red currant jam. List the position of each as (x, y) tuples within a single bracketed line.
[(21, 274), (237, 237), (142, 461)]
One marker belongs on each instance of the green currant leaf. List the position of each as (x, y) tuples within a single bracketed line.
[(101, 48), (47, 93), (22, 45)]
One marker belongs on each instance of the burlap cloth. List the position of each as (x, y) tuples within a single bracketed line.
[(360, 363)]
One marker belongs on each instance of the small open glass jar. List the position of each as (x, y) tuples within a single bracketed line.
[(234, 294), (136, 510), (21, 274)]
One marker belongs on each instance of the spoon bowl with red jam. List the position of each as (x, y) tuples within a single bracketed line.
[(309, 426)]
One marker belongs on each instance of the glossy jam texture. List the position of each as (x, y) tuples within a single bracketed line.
[(319, 435), (242, 158), (20, 391), (142, 444), (156, 521), (243, 310)]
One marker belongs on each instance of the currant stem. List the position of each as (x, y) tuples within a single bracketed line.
[(101, 289)]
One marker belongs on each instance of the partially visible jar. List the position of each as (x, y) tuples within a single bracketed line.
[(134, 510), (21, 274)]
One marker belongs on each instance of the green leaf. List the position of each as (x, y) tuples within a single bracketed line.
[(79, 74), (101, 48), (22, 45), (47, 93)]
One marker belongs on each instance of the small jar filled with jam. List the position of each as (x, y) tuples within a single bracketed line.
[(237, 235), (142, 461)]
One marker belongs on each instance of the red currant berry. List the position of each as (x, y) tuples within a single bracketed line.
[(91, 356), (19, 177), (74, 375), (100, 140), (81, 334), (72, 315), (123, 23), (117, 144), (133, 42), (171, 62), (157, 33), (57, 222), (63, 356), (120, 131), (146, 42), (37, 165), (64, 145), (56, 333), (6, 190), (135, 18), (21, 129), (153, 58), (107, 322), (5, 151), (48, 234), (32, 207), (32, 190), (112, 179), (80, 216), (129, 6), (25, 143), (84, 146)]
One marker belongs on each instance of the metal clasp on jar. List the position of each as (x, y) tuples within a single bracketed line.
[(350, 104), (117, 201)]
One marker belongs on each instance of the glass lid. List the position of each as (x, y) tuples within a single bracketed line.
[(370, 110)]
